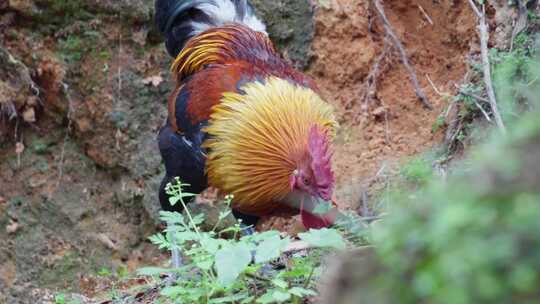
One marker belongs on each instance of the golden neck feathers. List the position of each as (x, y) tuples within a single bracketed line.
[(257, 140)]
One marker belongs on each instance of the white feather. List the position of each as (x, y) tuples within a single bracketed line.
[(224, 11)]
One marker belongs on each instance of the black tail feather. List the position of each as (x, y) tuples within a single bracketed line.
[(179, 20)]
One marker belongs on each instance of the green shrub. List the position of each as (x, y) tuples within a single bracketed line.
[(235, 270), (474, 238)]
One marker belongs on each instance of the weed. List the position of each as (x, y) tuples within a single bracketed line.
[(61, 298), (235, 270), (418, 171), (104, 272)]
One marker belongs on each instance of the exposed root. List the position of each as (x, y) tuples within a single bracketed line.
[(483, 32), (69, 117), (370, 84), (397, 43)]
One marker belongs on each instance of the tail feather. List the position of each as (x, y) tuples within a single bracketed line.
[(179, 20)]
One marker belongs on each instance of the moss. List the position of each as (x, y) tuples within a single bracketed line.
[(418, 170), (291, 27), (62, 271)]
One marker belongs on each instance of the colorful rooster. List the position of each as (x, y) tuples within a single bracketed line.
[(241, 119)]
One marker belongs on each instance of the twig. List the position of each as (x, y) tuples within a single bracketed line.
[(119, 61), (520, 23), (419, 93), (443, 95), (365, 209), (463, 92), (386, 126), (425, 14), (436, 89), (533, 81), (482, 110), (476, 98), (371, 79), (308, 280), (69, 116), (484, 37)]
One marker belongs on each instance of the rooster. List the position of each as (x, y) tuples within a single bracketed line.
[(241, 119)]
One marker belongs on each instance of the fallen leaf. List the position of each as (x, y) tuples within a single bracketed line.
[(153, 80), (19, 148), (107, 241), (29, 115), (12, 227)]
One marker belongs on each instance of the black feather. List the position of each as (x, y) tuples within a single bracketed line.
[(184, 158), (175, 19)]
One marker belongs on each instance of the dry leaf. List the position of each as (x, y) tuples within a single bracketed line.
[(19, 148), (29, 115), (153, 80), (12, 227)]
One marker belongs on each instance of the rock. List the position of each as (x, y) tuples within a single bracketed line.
[(15, 85), (291, 27), (24, 7), (12, 227), (132, 10), (29, 115), (136, 10)]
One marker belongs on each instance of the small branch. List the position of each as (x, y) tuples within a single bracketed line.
[(463, 92), (388, 28), (484, 37), (425, 14), (442, 94), (482, 110), (476, 98), (475, 9), (370, 84)]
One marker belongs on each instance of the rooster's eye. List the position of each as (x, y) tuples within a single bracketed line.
[(306, 181)]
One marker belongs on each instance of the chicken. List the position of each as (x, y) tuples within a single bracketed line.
[(241, 119)]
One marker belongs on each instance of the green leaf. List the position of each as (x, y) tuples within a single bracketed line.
[(323, 238), (281, 296), (172, 291), (322, 207), (280, 283), (248, 300), (274, 296), (266, 298), (211, 245), (173, 200), (231, 299), (257, 237), (205, 265), (302, 292), (270, 249), (231, 262), (224, 214)]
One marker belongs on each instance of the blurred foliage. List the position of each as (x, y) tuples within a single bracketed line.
[(473, 237), (516, 76)]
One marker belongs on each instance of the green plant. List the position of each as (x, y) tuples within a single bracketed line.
[(235, 270), (418, 170), (104, 272), (61, 298)]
